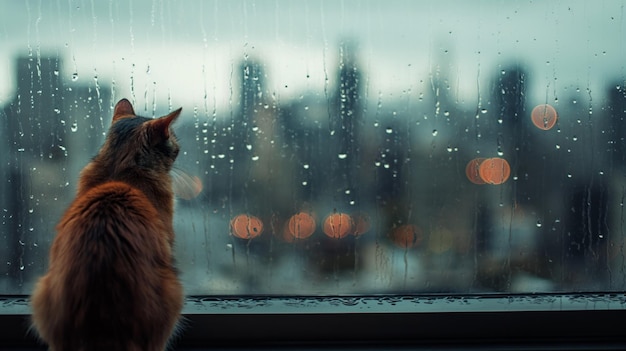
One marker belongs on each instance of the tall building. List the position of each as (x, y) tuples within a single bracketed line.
[(49, 129)]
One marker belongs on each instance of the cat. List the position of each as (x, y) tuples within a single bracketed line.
[(111, 282)]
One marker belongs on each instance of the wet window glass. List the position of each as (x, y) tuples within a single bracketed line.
[(335, 147)]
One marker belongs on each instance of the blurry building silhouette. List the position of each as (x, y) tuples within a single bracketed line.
[(48, 128)]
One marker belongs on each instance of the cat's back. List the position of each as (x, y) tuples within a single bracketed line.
[(111, 269), (113, 210), (114, 240)]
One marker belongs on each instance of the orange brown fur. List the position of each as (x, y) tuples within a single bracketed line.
[(111, 282)]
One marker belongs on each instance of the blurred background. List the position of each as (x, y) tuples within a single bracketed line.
[(337, 147)]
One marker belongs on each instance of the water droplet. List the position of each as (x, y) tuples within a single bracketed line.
[(74, 76), (435, 132), (249, 147), (449, 148), (483, 111), (255, 158), (574, 138), (539, 224), (305, 166), (389, 130), (221, 156), (74, 127), (304, 183), (342, 156)]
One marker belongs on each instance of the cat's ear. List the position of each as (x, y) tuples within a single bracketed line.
[(161, 126), (123, 109)]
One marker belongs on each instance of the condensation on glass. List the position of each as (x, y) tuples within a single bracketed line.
[(353, 147)]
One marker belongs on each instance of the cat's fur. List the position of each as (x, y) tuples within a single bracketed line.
[(111, 282)]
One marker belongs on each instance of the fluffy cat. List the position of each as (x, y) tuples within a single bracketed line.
[(111, 282)]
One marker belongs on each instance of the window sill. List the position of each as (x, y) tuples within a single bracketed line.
[(534, 322)]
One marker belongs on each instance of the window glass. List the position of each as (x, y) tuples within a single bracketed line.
[(337, 147)]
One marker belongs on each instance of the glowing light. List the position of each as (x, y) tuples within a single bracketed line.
[(406, 236), (472, 170), (361, 222), (544, 116), (301, 225), (185, 186), (494, 170), (338, 225), (246, 227)]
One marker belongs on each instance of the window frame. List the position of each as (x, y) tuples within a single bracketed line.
[(586, 321)]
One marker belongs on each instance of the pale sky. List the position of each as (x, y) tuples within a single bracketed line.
[(187, 50)]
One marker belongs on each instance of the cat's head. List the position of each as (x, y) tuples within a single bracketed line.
[(137, 143)]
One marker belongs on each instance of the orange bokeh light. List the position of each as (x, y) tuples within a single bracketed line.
[(406, 236), (301, 225), (338, 225), (472, 170), (185, 186), (544, 116), (361, 222), (245, 226), (494, 170)]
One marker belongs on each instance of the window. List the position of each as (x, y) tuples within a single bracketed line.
[(343, 148)]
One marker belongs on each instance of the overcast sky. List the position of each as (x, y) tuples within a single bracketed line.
[(187, 50)]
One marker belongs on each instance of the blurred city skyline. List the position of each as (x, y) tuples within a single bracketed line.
[(330, 107), (402, 45)]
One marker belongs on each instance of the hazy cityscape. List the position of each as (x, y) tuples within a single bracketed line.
[(556, 224), (341, 178)]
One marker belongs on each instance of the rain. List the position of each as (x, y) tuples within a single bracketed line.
[(335, 147)]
